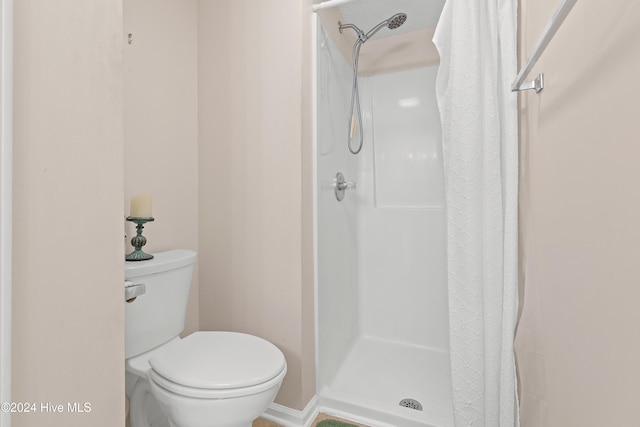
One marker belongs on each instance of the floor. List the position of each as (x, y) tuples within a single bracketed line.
[(264, 423)]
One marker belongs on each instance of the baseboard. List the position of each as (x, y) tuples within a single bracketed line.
[(288, 417)]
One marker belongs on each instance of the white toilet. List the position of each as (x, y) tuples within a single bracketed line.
[(208, 379)]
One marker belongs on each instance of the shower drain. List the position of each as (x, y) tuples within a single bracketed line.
[(411, 403)]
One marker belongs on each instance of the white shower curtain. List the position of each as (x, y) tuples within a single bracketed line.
[(476, 40)]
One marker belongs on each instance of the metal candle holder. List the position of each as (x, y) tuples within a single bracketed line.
[(138, 241)]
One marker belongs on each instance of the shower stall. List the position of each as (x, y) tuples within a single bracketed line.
[(382, 316)]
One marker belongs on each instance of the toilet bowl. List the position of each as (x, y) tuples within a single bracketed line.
[(207, 379)]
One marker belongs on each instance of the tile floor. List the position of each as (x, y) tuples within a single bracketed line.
[(264, 423)]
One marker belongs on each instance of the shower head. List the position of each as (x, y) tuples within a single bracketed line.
[(396, 20), (392, 23)]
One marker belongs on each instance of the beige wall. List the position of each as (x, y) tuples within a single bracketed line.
[(67, 297), (577, 343), (255, 268), (160, 125)]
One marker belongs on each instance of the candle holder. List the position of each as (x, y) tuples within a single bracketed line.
[(138, 241)]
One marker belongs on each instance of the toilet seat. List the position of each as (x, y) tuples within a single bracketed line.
[(217, 365), (203, 393)]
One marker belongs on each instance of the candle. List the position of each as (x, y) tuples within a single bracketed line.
[(141, 206)]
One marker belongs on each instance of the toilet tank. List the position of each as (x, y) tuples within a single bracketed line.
[(157, 316)]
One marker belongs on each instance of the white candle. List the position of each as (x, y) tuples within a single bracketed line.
[(141, 206)]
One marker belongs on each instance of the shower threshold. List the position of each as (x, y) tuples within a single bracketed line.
[(378, 373)]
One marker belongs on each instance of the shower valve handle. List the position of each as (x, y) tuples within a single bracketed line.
[(342, 185), (346, 185)]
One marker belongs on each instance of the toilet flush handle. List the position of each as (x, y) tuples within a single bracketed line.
[(133, 290)]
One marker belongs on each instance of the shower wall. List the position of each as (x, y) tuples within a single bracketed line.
[(401, 224), (337, 268), (381, 251)]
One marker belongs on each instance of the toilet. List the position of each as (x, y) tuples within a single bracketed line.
[(207, 379)]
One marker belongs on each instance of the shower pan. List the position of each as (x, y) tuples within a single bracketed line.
[(382, 320)]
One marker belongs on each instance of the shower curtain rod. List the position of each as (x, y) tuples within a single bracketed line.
[(328, 4), (555, 23)]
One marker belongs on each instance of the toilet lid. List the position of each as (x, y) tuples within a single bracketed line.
[(219, 360)]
